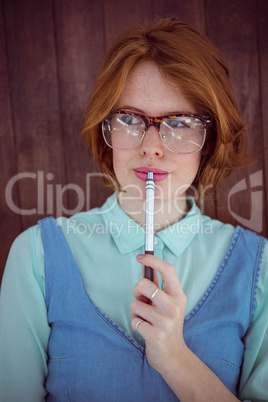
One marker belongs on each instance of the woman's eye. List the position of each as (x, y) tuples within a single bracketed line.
[(128, 119), (175, 123)]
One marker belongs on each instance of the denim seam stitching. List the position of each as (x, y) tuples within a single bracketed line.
[(123, 334), (231, 365), (256, 277)]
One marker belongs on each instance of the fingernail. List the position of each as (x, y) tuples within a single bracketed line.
[(140, 256)]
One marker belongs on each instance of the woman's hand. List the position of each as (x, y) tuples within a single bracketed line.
[(161, 325), (161, 320)]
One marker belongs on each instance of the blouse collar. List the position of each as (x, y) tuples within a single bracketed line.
[(129, 235)]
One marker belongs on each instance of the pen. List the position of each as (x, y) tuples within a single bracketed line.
[(149, 222)]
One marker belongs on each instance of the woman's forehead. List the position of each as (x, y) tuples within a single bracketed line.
[(148, 91)]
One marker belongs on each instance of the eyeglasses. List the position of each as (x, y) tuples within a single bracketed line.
[(180, 133)]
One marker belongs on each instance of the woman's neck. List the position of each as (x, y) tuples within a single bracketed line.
[(166, 213)]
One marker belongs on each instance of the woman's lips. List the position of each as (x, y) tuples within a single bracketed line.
[(142, 173)]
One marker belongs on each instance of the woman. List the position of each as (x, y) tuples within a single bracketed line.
[(90, 326)]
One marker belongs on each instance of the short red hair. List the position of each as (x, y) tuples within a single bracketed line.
[(195, 65)]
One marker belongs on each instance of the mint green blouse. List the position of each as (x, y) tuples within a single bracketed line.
[(105, 242)]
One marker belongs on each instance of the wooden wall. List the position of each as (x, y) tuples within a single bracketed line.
[(50, 52)]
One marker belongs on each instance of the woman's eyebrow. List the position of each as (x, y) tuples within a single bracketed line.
[(132, 108), (135, 109)]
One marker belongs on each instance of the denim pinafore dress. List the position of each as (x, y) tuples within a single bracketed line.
[(91, 358)]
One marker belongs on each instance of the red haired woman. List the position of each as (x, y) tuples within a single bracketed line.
[(90, 326)]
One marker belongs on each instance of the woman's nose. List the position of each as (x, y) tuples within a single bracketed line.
[(152, 145)]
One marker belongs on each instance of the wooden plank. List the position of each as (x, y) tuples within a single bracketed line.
[(190, 11), (239, 197), (35, 104), (122, 14), (10, 222), (80, 49), (263, 46)]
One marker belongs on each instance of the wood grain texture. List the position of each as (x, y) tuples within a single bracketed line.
[(190, 11), (34, 88), (232, 27), (119, 15), (263, 54), (50, 53), (10, 225), (80, 46)]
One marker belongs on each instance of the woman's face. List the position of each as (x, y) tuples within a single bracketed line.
[(148, 92)]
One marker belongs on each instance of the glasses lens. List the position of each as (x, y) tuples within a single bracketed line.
[(183, 134), (123, 131)]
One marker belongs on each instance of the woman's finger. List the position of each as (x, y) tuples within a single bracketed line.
[(146, 312), (155, 299), (167, 271), (141, 326), (146, 289)]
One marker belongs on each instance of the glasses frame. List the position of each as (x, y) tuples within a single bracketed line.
[(150, 121)]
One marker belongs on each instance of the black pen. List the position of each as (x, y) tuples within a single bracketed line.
[(149, 222)]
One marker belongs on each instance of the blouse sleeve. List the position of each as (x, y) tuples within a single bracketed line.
[(254, 378), (24, 330)]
